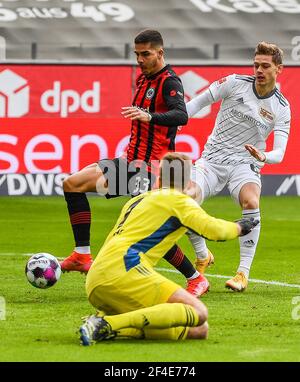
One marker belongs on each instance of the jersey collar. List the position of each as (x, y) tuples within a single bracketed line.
[(167, 67), (263, 97)]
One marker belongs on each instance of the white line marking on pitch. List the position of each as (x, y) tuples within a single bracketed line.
[(278, 283), (229, 277)]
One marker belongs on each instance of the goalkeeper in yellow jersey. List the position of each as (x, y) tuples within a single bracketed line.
[(132, 299)]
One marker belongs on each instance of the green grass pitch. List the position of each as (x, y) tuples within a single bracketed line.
[(258, 325)]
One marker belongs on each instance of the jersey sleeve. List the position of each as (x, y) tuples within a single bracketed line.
[(222, 88), (281, 135), (174, 98), (279, 146), (193, 217), (283, 122)]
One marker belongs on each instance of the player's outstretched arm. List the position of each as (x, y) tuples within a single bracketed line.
[(199, 102), (276, 154), (196, 219), (255, 153)]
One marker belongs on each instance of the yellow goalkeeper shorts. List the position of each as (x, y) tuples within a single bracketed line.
[(138, 288)]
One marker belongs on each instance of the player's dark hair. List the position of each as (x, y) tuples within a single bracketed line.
[(175, 171), (149, 35), (269, 49)]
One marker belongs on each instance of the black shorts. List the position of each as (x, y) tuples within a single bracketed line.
[(124, 178)]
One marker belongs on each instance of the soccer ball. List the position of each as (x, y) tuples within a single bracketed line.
[(42, 270)]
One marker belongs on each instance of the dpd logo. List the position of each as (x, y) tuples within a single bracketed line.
[(14, 95), (68, 101)]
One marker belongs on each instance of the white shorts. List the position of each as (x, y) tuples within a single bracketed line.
[(212, 177)]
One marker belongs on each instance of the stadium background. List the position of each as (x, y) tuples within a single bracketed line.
[(68, 67)]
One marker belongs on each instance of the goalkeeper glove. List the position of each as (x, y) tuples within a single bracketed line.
[(247, 225)]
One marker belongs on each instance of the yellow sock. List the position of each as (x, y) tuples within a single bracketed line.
[(158, 316), (131, 333), (178, 333)]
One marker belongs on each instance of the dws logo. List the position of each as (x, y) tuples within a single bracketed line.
[(14, 95)]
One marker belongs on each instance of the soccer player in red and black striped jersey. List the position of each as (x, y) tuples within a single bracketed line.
[(158, 106), (157, 110)]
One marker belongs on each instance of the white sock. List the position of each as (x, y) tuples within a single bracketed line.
[(198, 244), (83, 250), (248, 243), (195, 275)]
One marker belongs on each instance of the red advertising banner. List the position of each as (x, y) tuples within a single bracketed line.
[(59, 118), (51, 145), (65, 91)]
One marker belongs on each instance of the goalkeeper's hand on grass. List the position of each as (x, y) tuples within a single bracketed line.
[(246, 225)]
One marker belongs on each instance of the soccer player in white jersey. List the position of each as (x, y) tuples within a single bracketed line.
[(252, 107)]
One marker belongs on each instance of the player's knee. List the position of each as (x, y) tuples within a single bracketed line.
[(68, 184), (72, 184), (194, 192), (250, 203), (199, 332), (102, 185), (202, 312), (203, 331), (183, 297)]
